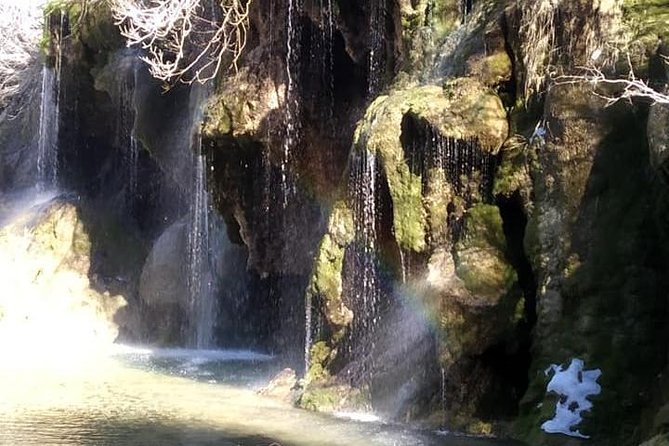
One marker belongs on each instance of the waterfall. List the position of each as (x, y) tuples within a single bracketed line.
[(365, 278), (202, 304), (377, 21), (49, 120), (125, 132), (464, 164), (292, 103), (47, 146), (200, 287), (327, 20)]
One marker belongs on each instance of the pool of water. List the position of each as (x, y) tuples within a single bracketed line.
[(169, 398)]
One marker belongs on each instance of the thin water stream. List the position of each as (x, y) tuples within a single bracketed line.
[(171, 397)]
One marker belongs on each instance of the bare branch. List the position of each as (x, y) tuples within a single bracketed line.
[(630, 87), (20, 32), (180, 42)]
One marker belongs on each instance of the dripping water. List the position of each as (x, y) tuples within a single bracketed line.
[(47, 147), (126, 135), (328, 59), (290, 142), (467, 168), (377, 18), (443, 389), (292, 103), (201, 299), (365, 289)]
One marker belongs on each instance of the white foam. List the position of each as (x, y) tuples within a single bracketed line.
[(574, 385), (363, 417)]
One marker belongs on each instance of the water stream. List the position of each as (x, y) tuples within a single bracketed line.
[(202, 303), (125, 131), (49, 120), (292, 102), (377, 20), (365, 289), (47, 146)]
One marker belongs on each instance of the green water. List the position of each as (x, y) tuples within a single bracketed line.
[(170, 398)]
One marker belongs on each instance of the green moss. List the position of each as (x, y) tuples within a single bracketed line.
[(219, 118), (326, 285), (496, 68), (445, 17), (480, 260), (341, 226), (334, 397), (645, 25), (319, 357), (439, 195), (463, 108), (513, 173)]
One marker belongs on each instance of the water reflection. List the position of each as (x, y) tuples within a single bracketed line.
[(146, 399)]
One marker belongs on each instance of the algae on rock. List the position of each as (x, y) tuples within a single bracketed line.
[(461, 109)]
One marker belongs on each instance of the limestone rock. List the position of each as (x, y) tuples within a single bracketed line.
[(461, 109), (163, 286), (282, 387)]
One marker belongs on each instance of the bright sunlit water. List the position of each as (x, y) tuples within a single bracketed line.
[(171, 397)]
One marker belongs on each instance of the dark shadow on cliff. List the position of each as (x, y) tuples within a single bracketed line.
[(614, 304)]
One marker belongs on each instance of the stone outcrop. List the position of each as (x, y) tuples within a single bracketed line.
[(45, 257)]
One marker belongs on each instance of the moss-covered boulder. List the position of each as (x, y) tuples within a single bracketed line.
[(460, 109), (325, 287), (480, 256), (242, 105), (471, 287)]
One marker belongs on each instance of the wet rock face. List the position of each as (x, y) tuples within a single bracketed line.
[(163, 286), (593, 217)]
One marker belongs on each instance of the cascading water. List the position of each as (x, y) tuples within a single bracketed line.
[(292, 103), (201, 297), (326, 53), (377, 20), (126, 139), (467, 168), (365, 274), (47, 146)]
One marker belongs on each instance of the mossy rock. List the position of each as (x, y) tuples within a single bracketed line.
[(241, 104), (513, 173), (438, 196), (460, 109), (645, 28), (480, 255), (319, 357), (326, 281), (331, 397)]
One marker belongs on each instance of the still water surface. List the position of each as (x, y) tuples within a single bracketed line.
[(169, 398)]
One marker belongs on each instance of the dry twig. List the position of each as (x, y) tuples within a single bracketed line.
[(181, 43)]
